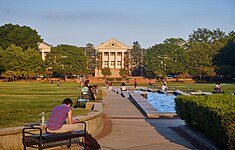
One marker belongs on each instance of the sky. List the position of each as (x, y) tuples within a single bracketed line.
[(150, 22)]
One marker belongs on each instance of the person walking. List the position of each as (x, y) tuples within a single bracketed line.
[(58, 82), (110, 86), (82, 82), (150, 83), (135, 83)]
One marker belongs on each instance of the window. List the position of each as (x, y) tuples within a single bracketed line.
[(106, 54), (106, 63), (112, 63), (119, 54), (119, 63), (112, 54)]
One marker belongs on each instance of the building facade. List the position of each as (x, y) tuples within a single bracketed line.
[(44, 49), (112, 55)]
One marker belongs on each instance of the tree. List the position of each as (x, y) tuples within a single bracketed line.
[(204, 45), (20, 63), (92, 56), (106, 72), (175, 41), (21, 36), (136, 58), (123, 72), (164, 59), (2, 68), (33, 63), (201, 60), (225, 58), (67, 60), (206, 35)]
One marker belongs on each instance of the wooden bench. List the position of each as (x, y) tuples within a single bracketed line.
[(35, 138)]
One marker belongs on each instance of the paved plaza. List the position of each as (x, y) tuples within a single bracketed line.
[(128, 129)]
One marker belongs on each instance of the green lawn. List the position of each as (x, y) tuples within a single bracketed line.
[(23, 102), (204, 87)]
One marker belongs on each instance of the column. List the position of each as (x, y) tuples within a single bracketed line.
[(43, 55), (102, 59), (122, 60), (109, 62), (115, 60)]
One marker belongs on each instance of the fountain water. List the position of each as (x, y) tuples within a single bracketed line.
[(162, 102)]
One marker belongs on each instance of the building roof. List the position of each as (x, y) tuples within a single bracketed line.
[(45, 44), (112, 43)]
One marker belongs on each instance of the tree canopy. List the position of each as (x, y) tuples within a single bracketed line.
[(206, 35), (164, 59), (19, 63), (136, 59), (66, 60), (123, 72), (225, 59), (106, 72), (208, 53), (21, 36), (92, 58)]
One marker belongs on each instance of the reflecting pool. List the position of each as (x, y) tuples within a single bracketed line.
[(162, 102)]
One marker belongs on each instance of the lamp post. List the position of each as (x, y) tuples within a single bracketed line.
[(141, 70), (63, 58), (141, 62)]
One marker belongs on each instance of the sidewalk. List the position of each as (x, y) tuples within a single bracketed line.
[(128, 129), (132, 131)]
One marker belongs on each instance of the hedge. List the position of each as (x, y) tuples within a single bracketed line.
[(213, 115), (118, 79)]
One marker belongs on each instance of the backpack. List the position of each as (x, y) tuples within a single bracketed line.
[(85, 93), (91, 143), (84, 90)]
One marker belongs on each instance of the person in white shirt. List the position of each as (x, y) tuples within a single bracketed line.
[(123, 86)]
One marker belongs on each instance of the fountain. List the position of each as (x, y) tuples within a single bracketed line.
[(162, 102)]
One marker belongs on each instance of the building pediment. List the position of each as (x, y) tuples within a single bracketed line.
[(113, 43), (44, 48)]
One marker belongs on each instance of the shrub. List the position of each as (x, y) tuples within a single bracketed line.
[(118, 79), (213, 115), (110, 79)]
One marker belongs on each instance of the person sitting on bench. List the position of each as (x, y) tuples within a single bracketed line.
[(87, 91), (123, 86), (217, 88), (58, 117)]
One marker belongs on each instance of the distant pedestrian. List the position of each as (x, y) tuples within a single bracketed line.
[(164, 82), (150, 83), (135, 83), (82, 82), (123, 86), (217, 88), (164, 87), (110, 86), (58, 82), (107, 84)]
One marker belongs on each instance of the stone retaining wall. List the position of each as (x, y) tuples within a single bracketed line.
[(11, 138)]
